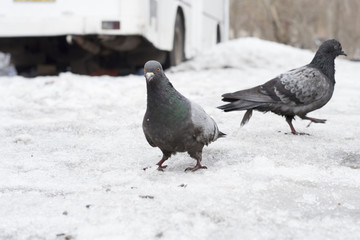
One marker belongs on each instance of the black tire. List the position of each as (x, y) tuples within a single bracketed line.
[(218, 34), (177, 55)]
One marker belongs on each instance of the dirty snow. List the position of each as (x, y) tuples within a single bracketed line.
[(6, 67), (73, 156)]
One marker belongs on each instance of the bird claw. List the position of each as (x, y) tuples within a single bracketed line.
[(315, 120), (161, 168), (301, 134), (298, 133), (193, 169)]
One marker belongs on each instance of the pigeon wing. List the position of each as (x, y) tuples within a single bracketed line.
[(148, 138), (300, 86), (205, 128)]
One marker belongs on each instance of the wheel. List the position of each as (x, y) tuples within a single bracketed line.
[(218, 34), (177, 55)]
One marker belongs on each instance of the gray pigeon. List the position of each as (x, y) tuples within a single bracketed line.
[(293, 93), (173, 123)]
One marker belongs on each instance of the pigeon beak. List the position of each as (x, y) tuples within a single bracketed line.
[(343, 53), (149, 76)]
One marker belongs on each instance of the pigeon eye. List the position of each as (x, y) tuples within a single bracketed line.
[(158, 69), (336, 47)]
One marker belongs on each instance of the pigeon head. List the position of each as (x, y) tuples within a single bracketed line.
[(153, 70), (325, 57), (331, 47)]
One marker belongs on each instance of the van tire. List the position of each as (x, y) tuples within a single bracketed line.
[(177, 54)]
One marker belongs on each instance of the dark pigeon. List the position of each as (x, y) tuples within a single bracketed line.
[(173, 123), (294, 93)]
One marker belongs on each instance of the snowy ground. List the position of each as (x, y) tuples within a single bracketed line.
[(73, 154)]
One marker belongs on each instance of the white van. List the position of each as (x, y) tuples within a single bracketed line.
[(108, 36)]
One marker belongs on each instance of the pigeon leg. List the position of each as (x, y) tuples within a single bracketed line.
[(314, 120), (197, 166), (163, 159), (289, 121)]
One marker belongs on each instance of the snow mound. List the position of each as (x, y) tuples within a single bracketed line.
[(246, 53)]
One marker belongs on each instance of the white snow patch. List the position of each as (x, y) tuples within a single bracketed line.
[(73, 156), (23, 138)]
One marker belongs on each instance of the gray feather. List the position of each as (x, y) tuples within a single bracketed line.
[(246, 117)]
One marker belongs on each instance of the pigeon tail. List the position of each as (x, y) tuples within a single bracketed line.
[(221, 134), (239, 105)]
